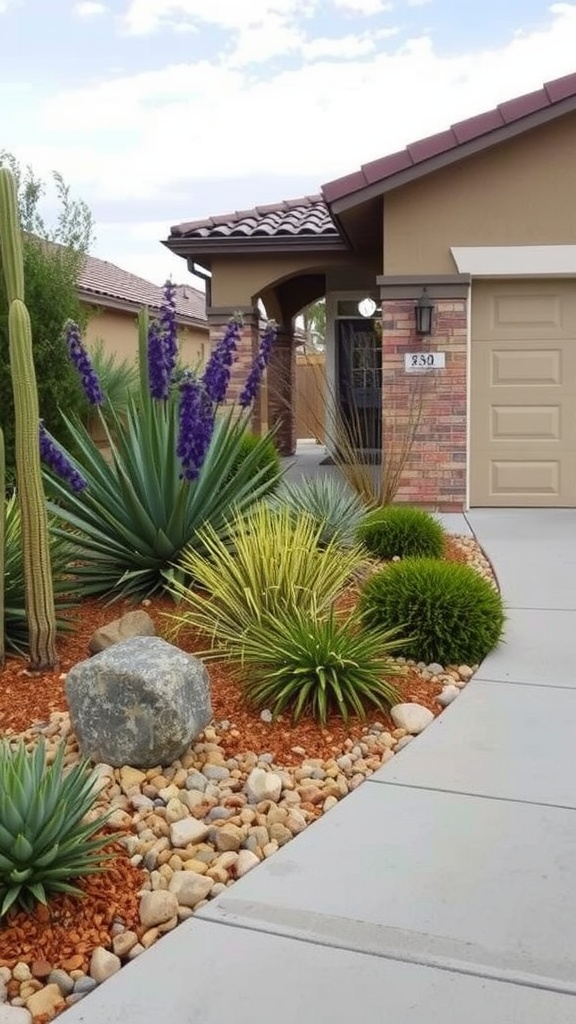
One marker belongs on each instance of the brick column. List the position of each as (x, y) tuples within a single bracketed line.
[(425, 414), (218, 318), (281, 390)]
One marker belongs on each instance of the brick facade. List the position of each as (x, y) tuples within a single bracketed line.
[(275, 403), (425, 414)]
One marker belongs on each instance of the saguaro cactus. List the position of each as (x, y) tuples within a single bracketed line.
[(2, 545), (39, 593)]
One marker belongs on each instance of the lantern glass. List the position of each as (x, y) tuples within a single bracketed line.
[(424, 310)]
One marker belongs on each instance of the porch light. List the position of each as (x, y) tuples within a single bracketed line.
[(424, 310), (367, 307)]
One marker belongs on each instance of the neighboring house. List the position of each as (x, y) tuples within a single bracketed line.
[(115, 298), (482, 215)]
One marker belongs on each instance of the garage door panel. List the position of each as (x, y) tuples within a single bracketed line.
[(523, 394), (539, 367)]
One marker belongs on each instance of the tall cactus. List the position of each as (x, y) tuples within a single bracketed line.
[(39, 593), (2, 546)]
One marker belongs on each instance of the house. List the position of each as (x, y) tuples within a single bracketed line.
[(114, 298), (480, 221)]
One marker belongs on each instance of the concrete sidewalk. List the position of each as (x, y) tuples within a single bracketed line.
[(444, 888)]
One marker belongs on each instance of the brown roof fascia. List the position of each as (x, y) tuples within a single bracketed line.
[(451, 156), (279, 244), (101, 300)]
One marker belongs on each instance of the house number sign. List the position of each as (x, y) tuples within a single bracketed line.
[(418, 361)]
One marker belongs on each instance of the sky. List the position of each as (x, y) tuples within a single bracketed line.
[(162, 111)]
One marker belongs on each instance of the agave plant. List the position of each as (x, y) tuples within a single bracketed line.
[(15, 624), (331, 503), (45, 842), (319, 664)]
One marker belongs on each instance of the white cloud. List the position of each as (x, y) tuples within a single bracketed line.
[(418, 3), (346, 47), (363, 6), (89, 9), (194, 122), (145, 16)]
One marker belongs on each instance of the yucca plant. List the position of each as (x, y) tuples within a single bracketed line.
[(45, 843), (118, 379), (270, 564), (330, 503), (15, 623), (318, 665)]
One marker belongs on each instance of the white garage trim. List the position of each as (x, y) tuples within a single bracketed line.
[(515, 260)]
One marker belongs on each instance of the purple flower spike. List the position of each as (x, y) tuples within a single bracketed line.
[(158, 377), (217, 373), (81, 360), (168, 327), (196, 426), (260, 363), (58, 461)]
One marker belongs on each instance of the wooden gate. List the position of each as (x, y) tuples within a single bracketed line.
[(311, 395)]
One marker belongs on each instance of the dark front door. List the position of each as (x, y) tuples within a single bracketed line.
[(359, 376)]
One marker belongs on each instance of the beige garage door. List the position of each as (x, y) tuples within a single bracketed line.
[(523, 393)]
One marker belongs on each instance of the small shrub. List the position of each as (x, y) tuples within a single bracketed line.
[(44, 841), (266, 565), (451, 614), (267, 459), (15, 623), (334, 507), (401, 530), (318, 665)]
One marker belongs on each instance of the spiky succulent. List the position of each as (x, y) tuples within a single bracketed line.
[(45, 841)]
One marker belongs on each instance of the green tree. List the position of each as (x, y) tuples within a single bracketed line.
[(53, 259), (315, 323)]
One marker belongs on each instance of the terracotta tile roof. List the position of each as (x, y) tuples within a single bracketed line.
[(104, 280), (457, 135), (307, 216)]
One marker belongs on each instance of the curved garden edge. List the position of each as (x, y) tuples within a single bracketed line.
[(196, 827)]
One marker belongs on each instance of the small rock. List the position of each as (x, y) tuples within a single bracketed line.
[(263, 785), (404, 742), (175, 811), (123, 943), (135, 951), (130, 779), (14, 1015), (188, 888), (465, 672), (434, 668), (216, 772), (40, 968), (3, 991), (84, 985), (228, 838), (220, 813), (21, 972), (103, 964), (449, 693), (187, 831), (195, 780), (73, 963), (47, 1000), (156, 907), (266, 716), (127, 626), (246, 861), (63, 980), (412, 717)]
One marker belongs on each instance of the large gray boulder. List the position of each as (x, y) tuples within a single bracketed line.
[(141, 702)]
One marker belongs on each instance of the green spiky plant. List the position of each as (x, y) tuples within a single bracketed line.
[(2, 543), (45, 840), (40, 610)]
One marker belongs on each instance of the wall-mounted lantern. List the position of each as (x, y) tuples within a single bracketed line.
[(424, 311)]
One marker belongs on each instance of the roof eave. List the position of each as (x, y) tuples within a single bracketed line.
[(95, 298), (201, 247), (451, 156)]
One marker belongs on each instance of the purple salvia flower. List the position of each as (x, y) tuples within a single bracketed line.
[(260, 363), (196, 426), (81, 360), (158, 377), (56, 458), (168, 327), (216, 376)]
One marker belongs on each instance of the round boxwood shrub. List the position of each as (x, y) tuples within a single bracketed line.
[(269, 461), (401, 530), (448, 612)]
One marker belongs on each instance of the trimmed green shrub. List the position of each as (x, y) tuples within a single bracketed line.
[(318, 665), (267, 461), (451, 614), (335, 508), (400, 530), (45, 841)]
